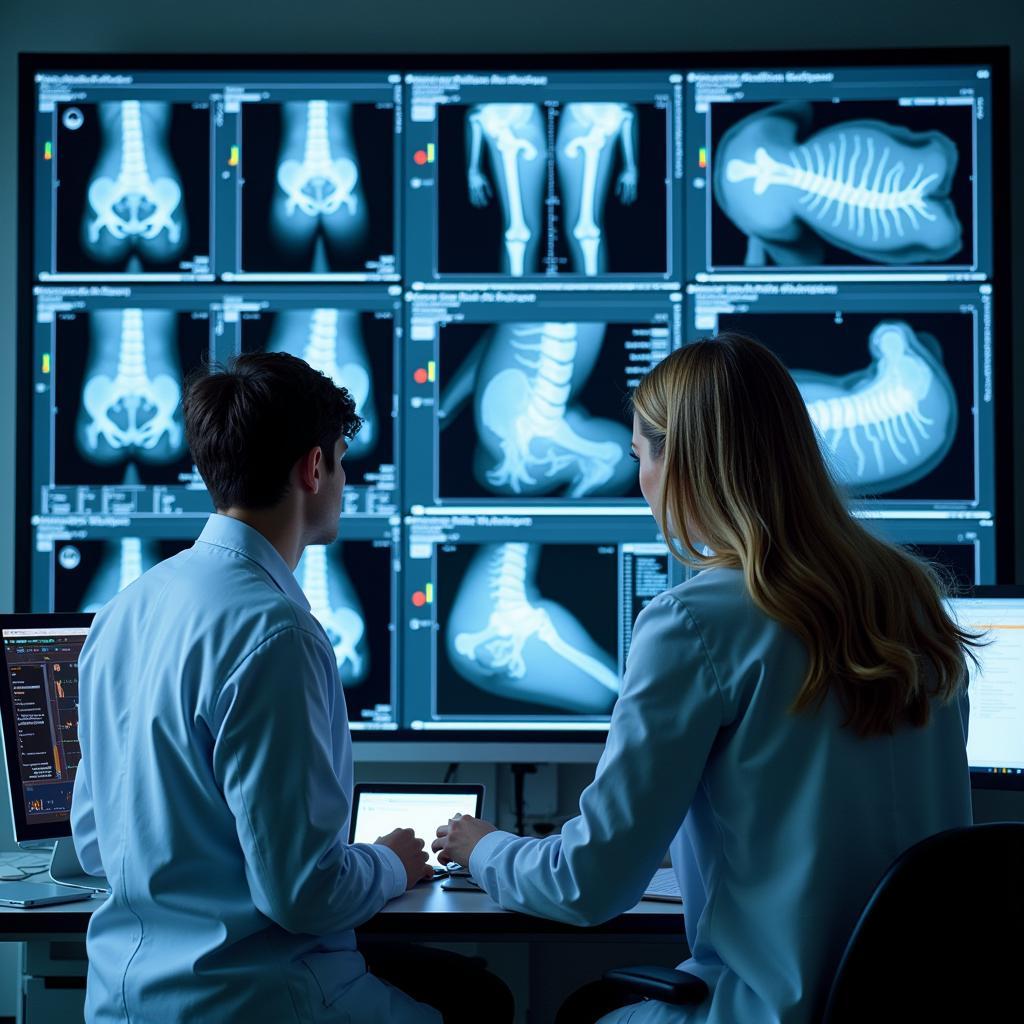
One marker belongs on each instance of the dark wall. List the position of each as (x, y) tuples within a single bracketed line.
[(464, 26)]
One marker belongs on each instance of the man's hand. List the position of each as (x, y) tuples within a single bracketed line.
[(410, 852), (457, 840)]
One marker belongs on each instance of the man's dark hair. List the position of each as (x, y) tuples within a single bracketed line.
[(249, 422)]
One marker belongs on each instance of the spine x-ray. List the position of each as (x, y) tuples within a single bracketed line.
[(134, 186), (890, 396), (577, 188), (355, 350), (118, 380), (525, 410), (317, 187), (87, 574), (348, 586), (805, 184), (527, 629)]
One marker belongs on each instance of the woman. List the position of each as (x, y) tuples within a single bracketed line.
[(791, 718)]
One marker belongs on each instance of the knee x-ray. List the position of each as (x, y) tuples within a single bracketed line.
[(348, 586), (521, 632), (318, 187), (578, 188), (804, 184), (118, 378), (891, 396), (354, 349), (87, 574), (524, 411), (134, 190)]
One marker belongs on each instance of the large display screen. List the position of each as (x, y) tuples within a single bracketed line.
[(490, 258)]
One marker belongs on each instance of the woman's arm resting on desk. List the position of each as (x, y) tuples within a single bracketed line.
[(661, 732)]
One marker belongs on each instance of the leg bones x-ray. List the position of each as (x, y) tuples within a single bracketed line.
[(505, 638), (877, 190), (890, 424)]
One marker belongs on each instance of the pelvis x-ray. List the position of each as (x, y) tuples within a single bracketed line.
[(526, 189), (804, 184), (87, 574), (118, 378), (530, 628), (134, 191), (891, 396), (348, 586), (354, 349), (318, 186), (523, 411)]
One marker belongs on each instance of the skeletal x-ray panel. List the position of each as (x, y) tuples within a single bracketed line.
[(317, 187), (526, 629), (118, 377), (572, 188), (348, 586), (356, 350), (536, 409), (134, 187), (806, 184), (87, 574), (891, 396)]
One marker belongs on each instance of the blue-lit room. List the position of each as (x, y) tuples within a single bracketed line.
[(512, 515)]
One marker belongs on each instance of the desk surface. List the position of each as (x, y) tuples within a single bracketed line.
[(424, 911)]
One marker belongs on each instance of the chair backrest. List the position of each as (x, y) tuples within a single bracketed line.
[(941, 936)]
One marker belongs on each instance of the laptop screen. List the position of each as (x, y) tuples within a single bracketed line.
[(377, 812), (40, 727)]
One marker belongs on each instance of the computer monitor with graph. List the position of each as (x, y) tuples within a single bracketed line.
[(490, 253)]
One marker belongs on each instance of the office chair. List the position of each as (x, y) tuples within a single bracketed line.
[(939, 939)]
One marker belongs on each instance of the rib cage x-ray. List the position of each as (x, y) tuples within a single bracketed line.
[(891, 423), (505, 637), (555, 175), (877, 190), (533, 435)]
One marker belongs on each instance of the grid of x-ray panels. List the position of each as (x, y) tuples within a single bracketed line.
[(490, 262)]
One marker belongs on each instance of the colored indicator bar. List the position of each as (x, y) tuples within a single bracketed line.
[(233, 158), (430, 593), (431, 370), (430, 152), (46, 362), (424, 596), (702, 157), (48, 151)]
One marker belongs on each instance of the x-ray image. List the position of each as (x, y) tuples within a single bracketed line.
[(134, 193), (318, 187), (523, 411), (891, 396), (354, 349), (118, 384), (526, 629), (87, 574), (348, 586), (577, 189), (806, 184)]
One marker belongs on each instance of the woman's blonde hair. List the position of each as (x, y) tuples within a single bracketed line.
[(743, 469)]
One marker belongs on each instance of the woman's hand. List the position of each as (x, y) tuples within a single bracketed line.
[(457, 840)]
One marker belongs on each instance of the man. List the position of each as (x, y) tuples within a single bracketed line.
[(214, 789)]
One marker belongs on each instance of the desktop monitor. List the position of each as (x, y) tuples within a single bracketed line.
[(490, 252), (39, 711)]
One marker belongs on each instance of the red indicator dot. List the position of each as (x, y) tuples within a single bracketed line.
[(420, 157), (419, 599), (420, 376)]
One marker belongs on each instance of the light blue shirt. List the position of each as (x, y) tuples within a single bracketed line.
[(779, 825), (214, 793)]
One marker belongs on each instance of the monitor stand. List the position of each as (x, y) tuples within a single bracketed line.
[(66, 869)]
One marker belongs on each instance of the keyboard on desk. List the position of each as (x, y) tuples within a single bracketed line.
[(663, 887)]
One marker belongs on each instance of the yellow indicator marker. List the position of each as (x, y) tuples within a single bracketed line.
[(48, 151), (430, 152), (431, 370), (702, 157), (233, 159), (429, 589), (46, 362)]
